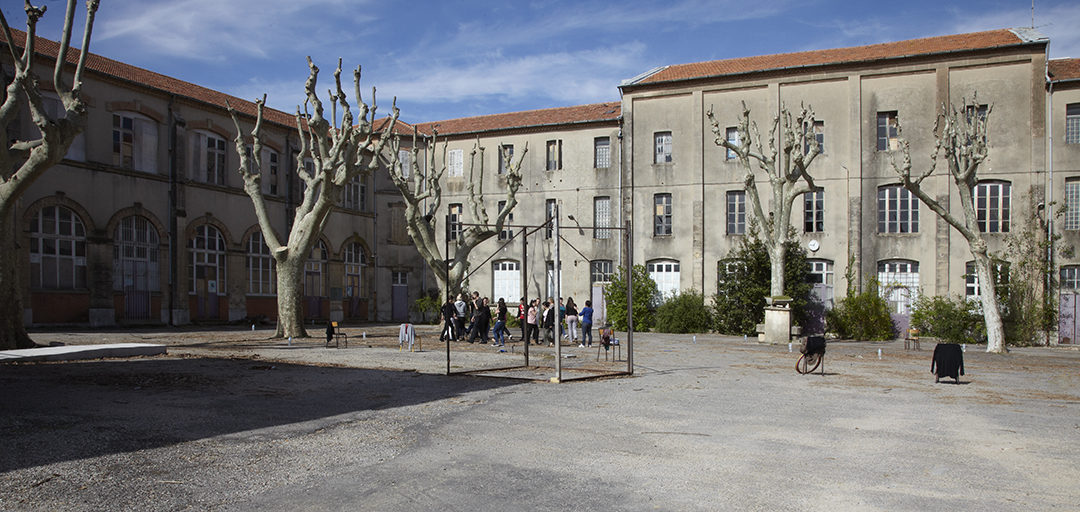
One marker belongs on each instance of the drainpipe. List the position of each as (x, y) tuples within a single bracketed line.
[(1049, 191), (174, 121)]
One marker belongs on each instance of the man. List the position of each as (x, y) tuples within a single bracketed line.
[(461, 310), (549, 323), (449, 314), (481, 323)]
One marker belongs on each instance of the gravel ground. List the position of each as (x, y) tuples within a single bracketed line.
[(232, 420)]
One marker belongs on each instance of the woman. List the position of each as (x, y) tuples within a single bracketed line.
[(571, 321), (500, 323), (586, 323), (530, 321), (523, 310)]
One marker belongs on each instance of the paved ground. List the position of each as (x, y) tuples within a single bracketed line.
[(230, 420)]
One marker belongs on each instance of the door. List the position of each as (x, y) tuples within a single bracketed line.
[(136, 290), (399, 295), (313, 295), (1067, 309)]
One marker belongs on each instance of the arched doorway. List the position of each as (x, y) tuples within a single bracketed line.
[(206, 271), (136, 271)]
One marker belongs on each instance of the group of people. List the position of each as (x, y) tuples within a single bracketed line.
[(470, 320)]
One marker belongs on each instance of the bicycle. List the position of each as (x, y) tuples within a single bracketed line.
[(813, 354)]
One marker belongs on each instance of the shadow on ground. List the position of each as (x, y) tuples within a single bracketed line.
[(54, 412)]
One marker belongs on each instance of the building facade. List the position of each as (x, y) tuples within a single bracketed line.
[(103, 247)]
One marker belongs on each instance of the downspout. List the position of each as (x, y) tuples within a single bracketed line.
[(1049, 192), (375, 249), (174, 120)]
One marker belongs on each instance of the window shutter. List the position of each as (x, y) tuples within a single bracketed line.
[(145, 145)]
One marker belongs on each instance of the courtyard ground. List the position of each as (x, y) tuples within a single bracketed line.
[(233, 420)]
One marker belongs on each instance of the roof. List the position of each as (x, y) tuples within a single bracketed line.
[(894, 50), (578, 114), (1063, 70), (128, 73)]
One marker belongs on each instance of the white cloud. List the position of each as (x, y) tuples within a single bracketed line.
[(1058, 22), (221, 30)]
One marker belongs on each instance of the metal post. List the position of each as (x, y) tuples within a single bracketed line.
[(525, 288), (629, 300), (446, 251), (558, 295)]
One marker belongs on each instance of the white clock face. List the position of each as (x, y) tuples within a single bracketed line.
[(813, 245)]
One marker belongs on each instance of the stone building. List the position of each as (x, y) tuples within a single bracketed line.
[(155, 226)]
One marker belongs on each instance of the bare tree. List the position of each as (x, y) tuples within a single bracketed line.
[(962, 143), (338, 155), (785, 168), (423, 198), (24, 161)]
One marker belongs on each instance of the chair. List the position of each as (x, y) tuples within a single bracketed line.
[(337, 337), (911, 339), (607, 341)]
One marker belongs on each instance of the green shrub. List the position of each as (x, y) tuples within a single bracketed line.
[(644, 289), (512, 321), (684, 313), (952, 320), (743, 280), (862, 316), (428, 305)]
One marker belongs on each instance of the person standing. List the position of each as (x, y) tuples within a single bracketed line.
[(500, 323), (549, 323), (571, 321), (586, 323), (531, 319), (523, 310), (461, 310), (481, 323)]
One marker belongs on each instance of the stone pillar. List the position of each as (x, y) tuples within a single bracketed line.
[(777, 324), (99, 267)]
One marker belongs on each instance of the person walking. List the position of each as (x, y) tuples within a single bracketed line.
[(461, 309), (549, 323), (572, 320), (449, 314), (586, 323), (500, 323), (523, 310)]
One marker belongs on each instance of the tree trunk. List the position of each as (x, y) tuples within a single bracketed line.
[(290, 296), (995, 330), (12, 331), (777, 257)]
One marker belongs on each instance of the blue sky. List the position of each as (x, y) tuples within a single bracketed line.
[(456, 58)]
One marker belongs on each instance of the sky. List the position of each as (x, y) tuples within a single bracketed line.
[(458, 58)]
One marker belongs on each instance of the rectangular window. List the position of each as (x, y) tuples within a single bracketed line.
[(507, 230), (1070, 278), (354, 199), (405, 156), (898, 210), (602, 271), (1072, 204), (554, 155), (814, 211), (549, 209), (456, 221), (506, 156), (134, 142), (662, 216), (1072, 123), (663, 148), (736, 212), (887, 137), (272, 178), (732, 137), (818, 133), (215, 160), (455, 162), (602, 217), (992, 204), (602, 152)]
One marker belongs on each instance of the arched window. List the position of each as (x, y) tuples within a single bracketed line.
[(262, 270), (206, 260), (57, 249), (665, 273), (899, 284)]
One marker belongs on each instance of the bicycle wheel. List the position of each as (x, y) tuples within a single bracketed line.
[(807, 363)]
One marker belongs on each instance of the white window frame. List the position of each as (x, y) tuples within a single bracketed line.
[(200, 253), (736, 212), (732, 134), (899, 284), (662, 142), (554, 155), (993, 204), (57, 249), (888, 137), (262, 269), (601, 271), (1072, 123), (506, 280), (405, 158), (456, 211), (666, 275), (814, 211), (898, 210), (602, 153), (455, 162)]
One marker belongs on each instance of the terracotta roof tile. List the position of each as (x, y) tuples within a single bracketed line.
[(126, 72), (577, 114), (925, 46), (1064, 69)]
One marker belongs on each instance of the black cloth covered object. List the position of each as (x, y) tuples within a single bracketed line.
[(948, 361), (814, 345)]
